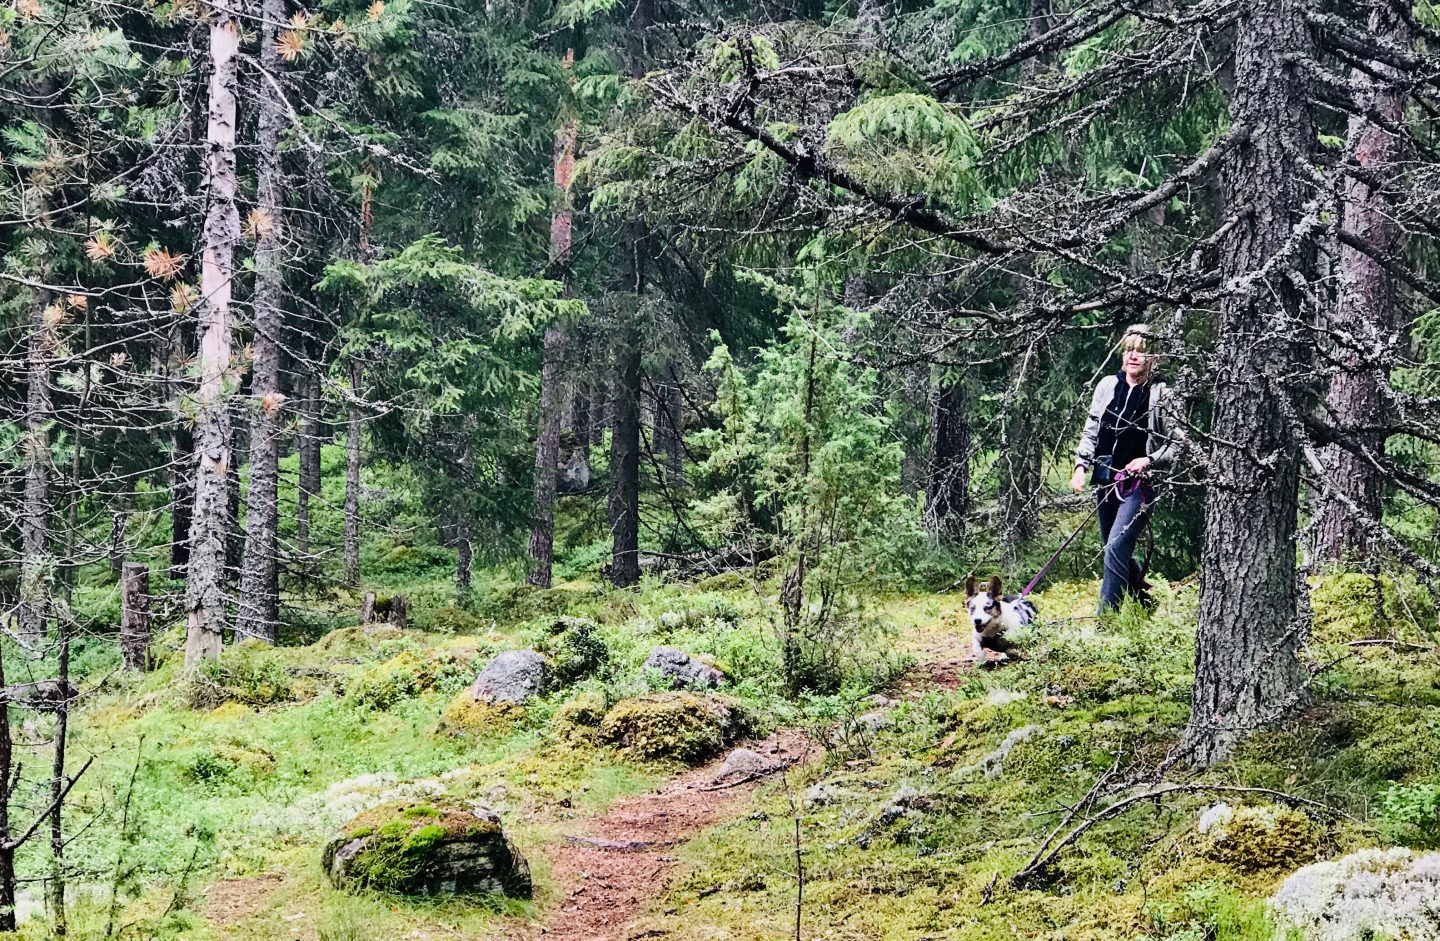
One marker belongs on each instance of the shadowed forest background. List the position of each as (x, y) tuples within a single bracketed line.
[(447, 447)]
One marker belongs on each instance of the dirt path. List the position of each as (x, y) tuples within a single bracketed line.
[(613, 868)]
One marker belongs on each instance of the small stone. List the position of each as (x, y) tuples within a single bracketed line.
[(516, 676), (682, 670)]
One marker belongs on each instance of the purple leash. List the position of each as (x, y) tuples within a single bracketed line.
[(1120, 487)]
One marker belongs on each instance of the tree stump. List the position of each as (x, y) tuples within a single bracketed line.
[(135, 616), (389, 610)]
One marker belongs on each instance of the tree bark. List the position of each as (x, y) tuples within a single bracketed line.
[(182, 498), (135, 616), (552, 372), (35, 561), (1020, 464), (625, 463), (668, 433), (1246, 670), (205, 585), (464, 560), (947, 481), (259, 614), (352, 482), (1365, 311), (547, 460), (56, 886), (7, 851), (310, 443)]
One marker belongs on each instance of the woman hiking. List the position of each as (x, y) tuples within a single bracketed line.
[(1126, 437)]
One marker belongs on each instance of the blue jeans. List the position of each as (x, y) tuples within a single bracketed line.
[(1122, 520)]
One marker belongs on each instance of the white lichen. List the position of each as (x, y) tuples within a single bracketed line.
[(325, 812), (1217, 815), (1386, 893), (1004, 697)]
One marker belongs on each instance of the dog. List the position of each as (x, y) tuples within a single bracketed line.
[(991, 615)]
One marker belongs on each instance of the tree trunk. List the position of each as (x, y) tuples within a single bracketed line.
[(552, 373), (259, 614), (547, 460), (625, 463), (56, 886), (35, 563), (310, 443), (205, 585), (947, 481), (182, 498), (1246, 670), (119, 515), (135, 616), (668, 435), (7, 852), (1365, 311), (1020, 465), (352, 483), (464, 560)]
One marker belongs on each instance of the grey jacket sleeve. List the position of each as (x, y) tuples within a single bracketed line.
[(1104, 390), (1165, 441)]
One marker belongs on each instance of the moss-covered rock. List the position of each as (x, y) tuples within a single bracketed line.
[(683, 726), (356, 643), (575, 648), (1251, 839), (426, 848), (477, 718)]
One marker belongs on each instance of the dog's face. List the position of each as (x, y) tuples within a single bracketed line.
[(983, 607)]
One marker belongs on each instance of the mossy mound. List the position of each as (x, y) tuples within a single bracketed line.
[(467, 716), (683, 726), (254, 676), (575, 649), (453, 620), (412, 848), (1252, 839), (1354, 605), (356, 643), (403, 676), (578, 720)]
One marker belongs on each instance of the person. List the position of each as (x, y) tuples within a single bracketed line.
[(1126, 438)]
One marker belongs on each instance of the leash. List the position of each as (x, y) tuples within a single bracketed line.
[(1094, 508)]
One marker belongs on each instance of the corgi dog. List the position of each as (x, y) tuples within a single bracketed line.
[(991, 615)]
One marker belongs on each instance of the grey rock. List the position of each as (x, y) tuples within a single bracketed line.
[(742, 764), (682, 670), (516, 676), (906, 800), (472, 857)]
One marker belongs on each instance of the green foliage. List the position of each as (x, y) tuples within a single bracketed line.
[(684, 727), (907, 143)]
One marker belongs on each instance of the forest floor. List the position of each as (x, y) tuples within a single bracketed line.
[(913, 793)]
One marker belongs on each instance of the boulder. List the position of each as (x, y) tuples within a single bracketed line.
[(682, 670), (516, 676), (684, 726), (426, 848), (743, 765)]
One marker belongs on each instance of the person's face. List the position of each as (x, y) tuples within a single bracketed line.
[(1137, 364)]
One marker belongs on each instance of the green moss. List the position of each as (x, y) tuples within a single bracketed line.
[(246, 674), (466, 716), (400, 838), (681, 726), (578, 720), (453, 620), (1354, 605), (1261, 838)]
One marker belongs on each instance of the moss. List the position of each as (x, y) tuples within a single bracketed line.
[(578, 720), (1091, 682), (403, 676), (400, 841), (723, 581), (468, 717), (245, 674), (1353, 605), (356, 643), (453, 620), (1261, 838), (681, 726)]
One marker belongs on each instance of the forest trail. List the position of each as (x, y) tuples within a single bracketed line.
[(616, 864)]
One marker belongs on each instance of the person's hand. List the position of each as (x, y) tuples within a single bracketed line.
[(1138, 466), (1077, 479)]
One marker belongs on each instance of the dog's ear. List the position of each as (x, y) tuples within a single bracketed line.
[(995, 587), (970, 586)]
